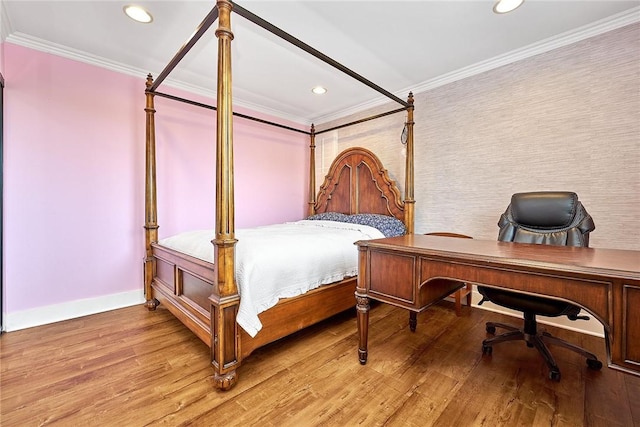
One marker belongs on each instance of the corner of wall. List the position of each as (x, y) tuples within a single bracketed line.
[(4, 32)]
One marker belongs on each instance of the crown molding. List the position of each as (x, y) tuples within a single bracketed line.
[(582, 33), (599, 27), (5, 24), (42, 45), (602, 26)]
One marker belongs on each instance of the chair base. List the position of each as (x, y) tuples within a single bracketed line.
[(538, 341)]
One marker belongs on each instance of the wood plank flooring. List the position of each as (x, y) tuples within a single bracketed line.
[(131, 367)]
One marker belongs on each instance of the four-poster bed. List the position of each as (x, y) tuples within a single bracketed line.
[(205, 295)]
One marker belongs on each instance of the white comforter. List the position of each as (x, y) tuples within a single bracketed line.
[(282, 260)]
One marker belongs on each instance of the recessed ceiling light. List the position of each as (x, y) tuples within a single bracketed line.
[(138, 14), (504, 6), (319, 90)]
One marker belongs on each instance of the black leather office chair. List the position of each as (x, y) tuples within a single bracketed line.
[(549, 218)]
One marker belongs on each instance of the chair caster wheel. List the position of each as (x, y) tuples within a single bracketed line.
[(554, 375), (491, 329), (487, 349), (595, 365)]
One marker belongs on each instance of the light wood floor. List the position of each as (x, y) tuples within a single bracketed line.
[(131, 367)]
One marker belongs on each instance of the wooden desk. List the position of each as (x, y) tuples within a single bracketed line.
[(404, 271)]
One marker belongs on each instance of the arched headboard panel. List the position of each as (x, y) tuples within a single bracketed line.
[(358, 183)]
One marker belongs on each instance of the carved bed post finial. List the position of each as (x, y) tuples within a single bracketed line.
[(225, 355), (150, 203), (312, 171), (409, 171)]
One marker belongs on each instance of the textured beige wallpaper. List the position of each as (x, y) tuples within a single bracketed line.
[(568, 119)]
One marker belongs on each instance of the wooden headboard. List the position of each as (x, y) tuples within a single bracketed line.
[(358, 183)]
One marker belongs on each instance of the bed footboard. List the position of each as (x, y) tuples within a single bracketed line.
[(184, 285)]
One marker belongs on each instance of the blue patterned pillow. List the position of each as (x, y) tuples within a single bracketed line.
[(330, 216), (388, 225)]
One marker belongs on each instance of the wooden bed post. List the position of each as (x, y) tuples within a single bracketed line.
[(150, 204), (225, 299), (312, 171), (409, 172)]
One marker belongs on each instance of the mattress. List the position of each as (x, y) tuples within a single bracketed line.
[(282, 260)]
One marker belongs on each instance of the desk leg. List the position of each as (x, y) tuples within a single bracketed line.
[(362, 308), (413, 320)]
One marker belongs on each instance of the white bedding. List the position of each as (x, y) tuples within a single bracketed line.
[(282, 260)]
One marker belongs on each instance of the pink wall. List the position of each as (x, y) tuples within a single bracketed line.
[(74, 177), (271, 169)]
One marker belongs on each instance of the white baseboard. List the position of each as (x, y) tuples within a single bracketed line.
[(589, 327), (70, 310)]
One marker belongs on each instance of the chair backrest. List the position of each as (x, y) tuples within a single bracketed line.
[(546, 217)]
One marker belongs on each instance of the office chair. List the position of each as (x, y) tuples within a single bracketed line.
[(547, 218)]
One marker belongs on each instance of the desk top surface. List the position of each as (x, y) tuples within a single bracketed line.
[(602, 262)]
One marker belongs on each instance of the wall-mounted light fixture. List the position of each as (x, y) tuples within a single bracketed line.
[(504, 6), (138, 13)]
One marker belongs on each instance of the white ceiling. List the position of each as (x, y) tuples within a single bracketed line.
[(398, 45)]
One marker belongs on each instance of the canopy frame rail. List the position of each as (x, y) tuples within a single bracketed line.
[(213, 15), (244, 116), (316, 53), (366, 119), (267, 122), (206, 23)]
